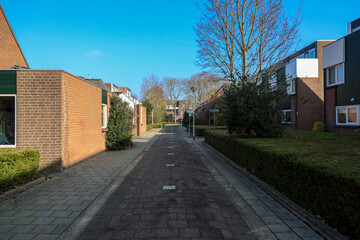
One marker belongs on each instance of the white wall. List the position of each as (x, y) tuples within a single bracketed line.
[(303, 68), (334, 53)]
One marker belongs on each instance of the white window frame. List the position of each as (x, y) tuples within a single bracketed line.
[(284, 114), (104, 125), (336, 75), (11, 146), (347, 115), (291, 82)]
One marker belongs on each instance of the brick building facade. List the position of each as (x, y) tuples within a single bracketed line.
[(56, 113)]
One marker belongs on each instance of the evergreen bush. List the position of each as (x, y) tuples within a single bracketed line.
[(319, 127), (17, 166), (251, 110), (120, 125)]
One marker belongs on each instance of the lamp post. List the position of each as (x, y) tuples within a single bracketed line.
[(193, 89)]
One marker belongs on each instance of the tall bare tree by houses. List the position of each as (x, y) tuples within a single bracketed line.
[(206, 85), (173, 89), (153, 95), (240, 38)]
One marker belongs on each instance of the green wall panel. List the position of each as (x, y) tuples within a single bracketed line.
[(104, 96), (7, 82)]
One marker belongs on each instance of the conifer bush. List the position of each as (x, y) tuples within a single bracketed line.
[(120, 125)]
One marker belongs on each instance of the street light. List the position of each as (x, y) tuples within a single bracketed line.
[(193, 89)]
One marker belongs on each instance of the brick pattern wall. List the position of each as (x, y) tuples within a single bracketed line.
[(84, 136), (139, 128), (310, 103), (39, 114), (10, 52)]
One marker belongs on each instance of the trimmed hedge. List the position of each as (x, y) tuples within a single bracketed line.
[(322, 179), (154, 125), (17, 166), (200, 129)]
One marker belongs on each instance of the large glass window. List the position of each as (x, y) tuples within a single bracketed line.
[(104, 115), (335, 75), (347, 115), (7, 120)]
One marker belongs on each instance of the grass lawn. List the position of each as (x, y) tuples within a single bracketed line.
[(333, 152)]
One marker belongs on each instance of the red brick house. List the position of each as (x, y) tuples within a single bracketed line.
[(303, 73), (61, 115), (139, 117)]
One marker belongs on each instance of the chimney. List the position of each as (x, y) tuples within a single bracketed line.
[(89, 76)]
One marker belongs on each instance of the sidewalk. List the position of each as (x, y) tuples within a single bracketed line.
[(46, 210)]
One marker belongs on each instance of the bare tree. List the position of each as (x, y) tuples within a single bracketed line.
[(152, 91), (240, 38), (206, 85), (173, 89)]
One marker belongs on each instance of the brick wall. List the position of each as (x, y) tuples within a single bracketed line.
[(139, 127), (10, 52), (84, 136), (310, 103), (39, 114)]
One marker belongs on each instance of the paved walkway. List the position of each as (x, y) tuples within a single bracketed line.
[(46, 210), (182, 190)]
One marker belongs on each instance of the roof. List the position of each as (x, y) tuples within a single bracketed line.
[(13, 35), (97, 82)]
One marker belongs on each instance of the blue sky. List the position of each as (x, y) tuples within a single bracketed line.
[(123, 41)]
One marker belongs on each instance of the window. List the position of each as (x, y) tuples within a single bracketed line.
[(335, 75), (291, 86), (312, 53), (286, 116), (7, 121), (273, 82), (347, 115), (104, 115)]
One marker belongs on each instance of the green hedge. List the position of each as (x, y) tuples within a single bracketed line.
[(154, 125), (308, 168), (200, 129), (17, 166)]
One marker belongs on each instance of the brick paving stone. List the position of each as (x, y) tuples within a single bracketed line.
[(6, 236), (66, 195), (141, 208)]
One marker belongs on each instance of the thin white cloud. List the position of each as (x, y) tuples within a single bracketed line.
[(93, 53)]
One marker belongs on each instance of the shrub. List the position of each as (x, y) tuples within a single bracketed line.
[(251, 110), (307, 169), (119, 126), (155, 125), (17, 166), (319, 127), (200, 129)]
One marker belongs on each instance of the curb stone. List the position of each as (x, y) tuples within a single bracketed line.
[(316, 224), (23, 188)]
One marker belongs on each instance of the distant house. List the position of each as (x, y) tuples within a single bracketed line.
[(61, 115), (341, 64), (139, 118), (178, 110)]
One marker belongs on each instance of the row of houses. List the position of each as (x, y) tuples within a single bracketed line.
[(322, 82), (62, 115)]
